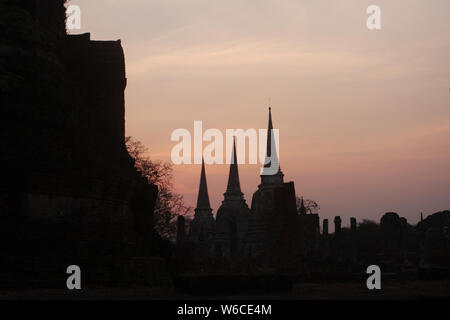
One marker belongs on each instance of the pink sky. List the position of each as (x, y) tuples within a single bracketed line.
[(364, 116)]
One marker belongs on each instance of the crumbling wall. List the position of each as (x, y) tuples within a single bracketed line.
[(69, 188)]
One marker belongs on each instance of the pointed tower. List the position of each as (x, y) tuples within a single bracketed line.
[(271, 173), (233, 192), (201, 228), (203, 205), (273, 209), (232, 216)]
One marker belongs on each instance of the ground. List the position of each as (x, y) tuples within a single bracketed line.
[(390, 290)]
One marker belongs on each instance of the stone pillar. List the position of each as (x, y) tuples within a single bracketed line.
[(325, 240), (325, 227), (353, 224), (353, 244), (337, 225)]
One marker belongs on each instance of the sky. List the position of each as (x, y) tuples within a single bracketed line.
[(364, 115)]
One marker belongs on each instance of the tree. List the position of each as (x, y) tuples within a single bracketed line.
[(311, 206), (169, 204)]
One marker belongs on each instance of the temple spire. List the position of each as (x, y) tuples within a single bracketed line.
[(302, 209), (271, 163), (201, 227), (203, 197), (269, 138), (233, 186)]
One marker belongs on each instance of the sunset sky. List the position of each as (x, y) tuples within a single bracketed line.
[(364, 116)]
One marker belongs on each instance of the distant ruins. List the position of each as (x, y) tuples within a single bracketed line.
[(276, 235), (272, 233)]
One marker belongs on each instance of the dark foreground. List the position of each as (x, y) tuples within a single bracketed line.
[(408, 289)]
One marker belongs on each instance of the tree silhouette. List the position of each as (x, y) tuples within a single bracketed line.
[(169, 204), (311, 206)]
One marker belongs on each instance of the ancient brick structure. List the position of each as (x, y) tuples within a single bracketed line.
[(201, 227), (69, 188), (275, 236), (230, 230), (272, 234), (434, 232)]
